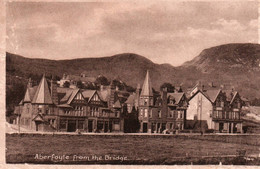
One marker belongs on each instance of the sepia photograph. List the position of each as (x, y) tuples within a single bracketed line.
[(132, 83)]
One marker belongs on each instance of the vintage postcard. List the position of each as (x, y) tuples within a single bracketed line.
[(132, 83)]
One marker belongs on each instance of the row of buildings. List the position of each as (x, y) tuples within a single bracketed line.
[(49, 107)]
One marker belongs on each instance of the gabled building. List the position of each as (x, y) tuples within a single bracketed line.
[(215, 109), (51, 108), (73, 79), (163, 112)]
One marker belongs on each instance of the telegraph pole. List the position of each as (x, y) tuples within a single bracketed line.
[(19, 121)]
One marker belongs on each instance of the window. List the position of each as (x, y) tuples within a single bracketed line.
[(47, 111), (230, 115), (63, 124), (145, 102), (151, 101), (150, 114), (51, 121), (141, 112), (145, 112), (220, 114), (227, 115), (222, 104), (181, 115), (159, 113), (238, 104), (171, 114), (39, 110), (27, 107), (116, 114), (171, 125), (81, 124), (67, 112), (237, 115)]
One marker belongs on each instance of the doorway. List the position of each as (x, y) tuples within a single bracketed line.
[(110, 126), (221, 127), (90, 126), (106, 127), (71, 125), (144, 127)]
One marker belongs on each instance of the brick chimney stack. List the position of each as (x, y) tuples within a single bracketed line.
[(54, 92)]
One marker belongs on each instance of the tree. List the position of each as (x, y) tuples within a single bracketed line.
[(130, 89), (102, 80), (80, 85), (169, 86), (66, 84), (120, 85)]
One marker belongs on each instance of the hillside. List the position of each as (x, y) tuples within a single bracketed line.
[(232, 57), (130, 68), (232, 64)]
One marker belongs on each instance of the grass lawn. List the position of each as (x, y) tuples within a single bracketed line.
[(128, 149)]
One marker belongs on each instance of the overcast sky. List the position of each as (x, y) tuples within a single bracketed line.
[(164, 32)]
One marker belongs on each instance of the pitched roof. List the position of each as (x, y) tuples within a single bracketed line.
[(131, 99), (27, 97), (117, 104), (230, 94), (73, 94), (104, 94), (212, 94), (203, 93), (65, 106), (176, 96), (66, 97), (38, 117), (147, 86), (30, 92), (88, 93), (42, 94)]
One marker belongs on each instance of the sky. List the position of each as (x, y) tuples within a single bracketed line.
[(164, 32)]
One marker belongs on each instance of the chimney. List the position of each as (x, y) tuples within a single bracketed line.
[(111, 99), (54, 92), (138, 89), (29, 85), (180, 90), (164, 102), (64, 76), (203, 88), (101, 87)]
